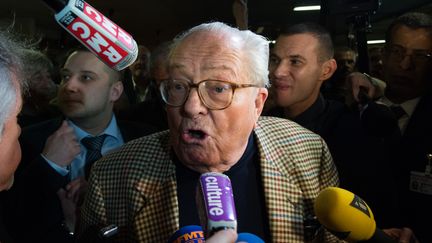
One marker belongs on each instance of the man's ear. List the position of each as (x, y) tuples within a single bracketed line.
[(327, 69), (116, 91), (260, 99)]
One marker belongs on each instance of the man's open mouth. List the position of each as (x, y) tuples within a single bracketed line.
[(197, 134)]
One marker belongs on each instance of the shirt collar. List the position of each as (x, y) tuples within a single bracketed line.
[(111, 130), (408, 106), (310, 114)]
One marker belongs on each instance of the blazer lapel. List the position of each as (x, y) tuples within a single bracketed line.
[(283, 197), (155, 203)]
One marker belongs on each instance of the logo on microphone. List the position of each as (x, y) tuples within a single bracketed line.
[(359, 204), (213, 194), (192, 237), (188, 234)]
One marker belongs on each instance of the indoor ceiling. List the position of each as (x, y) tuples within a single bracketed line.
[(151, 22)]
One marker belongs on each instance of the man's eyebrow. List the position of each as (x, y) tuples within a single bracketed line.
[(65, 70), (87, 72), (205, 67), (297, 56), (212, 66)]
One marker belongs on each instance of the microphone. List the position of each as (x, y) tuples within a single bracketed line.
[(189, 234), (215, 202), (114, 46), (348, 217), (249, 238)]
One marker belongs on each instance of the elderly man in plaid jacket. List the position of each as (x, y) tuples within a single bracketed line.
[(214, 100)]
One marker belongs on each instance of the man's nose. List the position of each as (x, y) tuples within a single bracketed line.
[(281, 70), (406, 62), (193, 104), (71, 84)]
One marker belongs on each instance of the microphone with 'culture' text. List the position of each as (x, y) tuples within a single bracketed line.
[(215, 203), (114, 46)]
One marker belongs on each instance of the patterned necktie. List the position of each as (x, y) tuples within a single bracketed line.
[(94, 146), (398, 111)]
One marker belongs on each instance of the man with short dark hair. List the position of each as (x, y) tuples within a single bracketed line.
[(300, 62), (58, 154)]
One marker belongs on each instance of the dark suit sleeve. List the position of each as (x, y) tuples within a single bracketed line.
[(35, 207)]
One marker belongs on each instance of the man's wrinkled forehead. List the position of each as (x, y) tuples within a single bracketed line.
[(205, 49)]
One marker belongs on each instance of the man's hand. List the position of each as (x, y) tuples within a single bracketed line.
[(62, 146), (403, 235), (240, 12), (76, 190), (71, 199), (223, 236), (360, 88)]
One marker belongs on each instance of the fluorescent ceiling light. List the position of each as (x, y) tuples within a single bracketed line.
[(371, 42), (307, 8)]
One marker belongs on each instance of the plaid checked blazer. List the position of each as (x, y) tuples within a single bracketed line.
[(135, 187)]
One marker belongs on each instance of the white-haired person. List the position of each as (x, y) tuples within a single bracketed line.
[(214, 99), (10, 106)]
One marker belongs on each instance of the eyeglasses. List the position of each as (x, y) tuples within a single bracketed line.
[(417, 56), (214, 94)]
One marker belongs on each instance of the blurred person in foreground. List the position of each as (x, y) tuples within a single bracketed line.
[(11, 76), (215, 95)]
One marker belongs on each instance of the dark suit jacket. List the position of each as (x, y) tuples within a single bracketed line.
[(4, 235), (34, 207), (377, 166)]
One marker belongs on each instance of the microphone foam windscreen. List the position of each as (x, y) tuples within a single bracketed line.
[(188, 234), (344, 214), (249, 238)]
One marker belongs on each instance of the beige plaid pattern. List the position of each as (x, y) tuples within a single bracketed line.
[(135, 187)]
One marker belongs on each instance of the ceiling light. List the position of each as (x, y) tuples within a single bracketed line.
[(371, 42), (307, 8)]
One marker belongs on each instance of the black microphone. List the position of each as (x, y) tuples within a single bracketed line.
[(348, 217), (99, 234), (114, 46)]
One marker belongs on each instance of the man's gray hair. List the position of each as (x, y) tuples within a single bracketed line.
[(10, 69), (254, 48), (35, 61)]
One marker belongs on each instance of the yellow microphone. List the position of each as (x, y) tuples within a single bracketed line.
[(348, 217)]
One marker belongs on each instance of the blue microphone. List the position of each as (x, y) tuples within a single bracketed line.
[(249, 238), (188, 234)]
